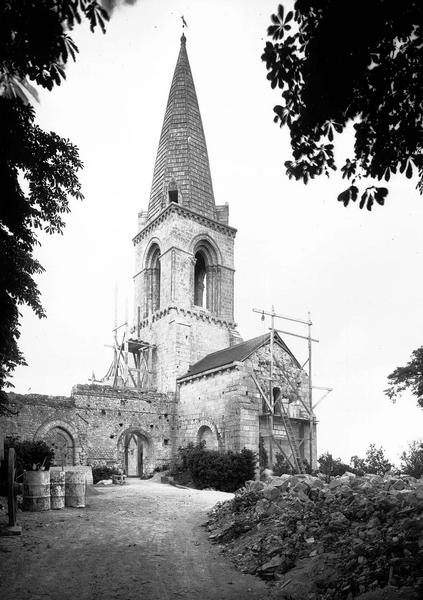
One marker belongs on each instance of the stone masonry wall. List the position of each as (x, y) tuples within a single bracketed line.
[(229, 400), (181, 338), (182, 332), (293, 383), (218, 401), (97, 418), (176, 233)]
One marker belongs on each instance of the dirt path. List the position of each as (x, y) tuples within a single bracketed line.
[(143, 540)]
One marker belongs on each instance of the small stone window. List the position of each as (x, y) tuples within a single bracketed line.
[(173, 192), (173, 196), (165, 442)]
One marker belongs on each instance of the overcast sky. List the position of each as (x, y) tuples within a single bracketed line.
[(297, 248)]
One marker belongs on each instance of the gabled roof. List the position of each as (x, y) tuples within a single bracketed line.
[(237, 353), (182, 162)]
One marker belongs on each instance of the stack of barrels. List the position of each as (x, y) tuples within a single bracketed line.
[(45, 490)]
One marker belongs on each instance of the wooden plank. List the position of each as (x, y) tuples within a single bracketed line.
[(263, 395)]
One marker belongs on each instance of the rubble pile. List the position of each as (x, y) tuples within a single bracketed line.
[(355, 537)]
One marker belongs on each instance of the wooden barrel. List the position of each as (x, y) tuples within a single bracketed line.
[(75, 489), (57, 489), (36, 490)]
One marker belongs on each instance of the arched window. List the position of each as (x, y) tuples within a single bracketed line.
[(152, 280), (200, 281), (206, 435), (206, 276)]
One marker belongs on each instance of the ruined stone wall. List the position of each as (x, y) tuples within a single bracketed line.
[(97, 418)]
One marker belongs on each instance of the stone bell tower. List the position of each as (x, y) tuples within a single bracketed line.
[(184, 278)]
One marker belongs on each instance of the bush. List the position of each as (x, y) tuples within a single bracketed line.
[(412, 460), (103, 472), (331, 467), (375, 462), (281, 466), (223, 471), (28, 454)]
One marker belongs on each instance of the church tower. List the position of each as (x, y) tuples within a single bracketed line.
[(184, 277)]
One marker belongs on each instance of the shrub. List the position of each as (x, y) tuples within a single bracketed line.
[(331, 467), (281, 466), (375, 462), (412, 460), (103, 472), (225, 471)]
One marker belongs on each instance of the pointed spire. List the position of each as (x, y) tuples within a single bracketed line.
[(182, 161)]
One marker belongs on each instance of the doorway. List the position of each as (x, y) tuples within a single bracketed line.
[(135, 454)]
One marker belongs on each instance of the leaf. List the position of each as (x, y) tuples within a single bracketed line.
[(289, 16), (380, 195), (347, 195)]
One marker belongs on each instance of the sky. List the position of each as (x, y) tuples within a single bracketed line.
[(297, 248)]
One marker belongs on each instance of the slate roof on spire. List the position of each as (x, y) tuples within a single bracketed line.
[(182, 153)]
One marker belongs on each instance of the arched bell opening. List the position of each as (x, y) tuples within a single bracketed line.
[(206, 277), (152, 280), (200, 281)]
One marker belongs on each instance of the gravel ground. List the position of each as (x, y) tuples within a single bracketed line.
[(141, 540)]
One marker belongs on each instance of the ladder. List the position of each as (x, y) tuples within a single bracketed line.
[(295, 449)]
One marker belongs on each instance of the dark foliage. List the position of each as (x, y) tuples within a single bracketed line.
[(409, 377), (29, 454), (412, 460), (338, 63), (375, 462), (38, 170), (331, 467), (225, 471), (103, 472), (281, 466)]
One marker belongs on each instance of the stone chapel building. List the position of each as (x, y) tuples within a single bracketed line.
[(204, 382)]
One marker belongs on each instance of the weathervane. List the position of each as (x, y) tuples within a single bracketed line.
[(184, 23)]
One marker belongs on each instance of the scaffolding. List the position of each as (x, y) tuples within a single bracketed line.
[(131, 366), (293, 457)]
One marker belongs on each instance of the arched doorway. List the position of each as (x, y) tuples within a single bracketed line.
[(62, 444), (135, 453), (206, 435)]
